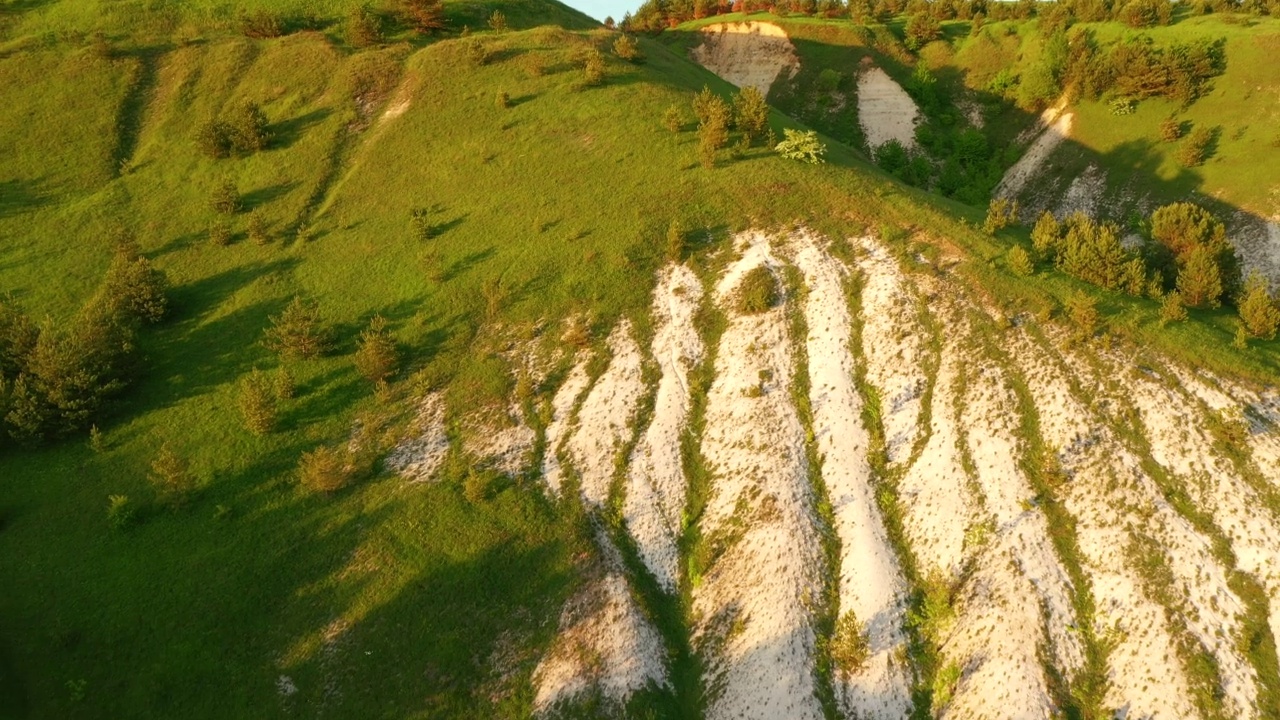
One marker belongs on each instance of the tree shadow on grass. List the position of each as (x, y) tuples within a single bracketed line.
[(288, 132), (255, 199)]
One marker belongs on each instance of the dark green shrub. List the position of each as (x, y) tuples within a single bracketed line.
[(757, 292), (247, 129), (133, 287), (261, 24), (214, 138)]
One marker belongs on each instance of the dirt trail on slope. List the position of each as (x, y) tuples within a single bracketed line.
[(754, 626), (749, 54), (871, 583), (656, 486), (885, 111)]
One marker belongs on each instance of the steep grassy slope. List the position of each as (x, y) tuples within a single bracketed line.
[(388, 599)]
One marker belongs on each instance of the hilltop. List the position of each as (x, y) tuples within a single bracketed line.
[(355, 370)]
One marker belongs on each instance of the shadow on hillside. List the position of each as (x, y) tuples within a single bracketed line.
[(19, 196), (287, 132)]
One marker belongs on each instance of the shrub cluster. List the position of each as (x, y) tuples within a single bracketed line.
[(57, 377), (244, 131)]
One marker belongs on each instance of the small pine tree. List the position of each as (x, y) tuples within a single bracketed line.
[(171, 475), (626, 48), (1195, 148), (257, 229), (1259, 311), (1200, 278), (751, 112), (257, 401), (673, 119), (849, 647), (1046, 235), (502, 100), (120, 512), (134, 287), (1001, 213), (296, 332), (1170, 129), (1172, 309), (220, 233), (375, 357), (477, 52), (225, 199), (285, 385), (1082, 308), (364, 27), (325, 470), (593, 68), (248, 130), (675, 241), (420, 223), (498, 22), (1020, 261), (213, 137)]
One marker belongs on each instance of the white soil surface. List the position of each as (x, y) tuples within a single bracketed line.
[(606, 417), (1110, 495), (937, 504), (418, 457), (871, 583), (508, 448), (1028, 166), (885, 111), (562, 405), (604, 642), (892, 345), (748, 54), (1016, 603), (754, 623), (1084, 194), (1257, 243), (656, 487), (1175, 426)]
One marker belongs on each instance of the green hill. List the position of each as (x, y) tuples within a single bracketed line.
[(548, 203)]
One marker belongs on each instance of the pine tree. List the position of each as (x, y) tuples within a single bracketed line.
[(257, 403), (297, 332), (1200, 279), (751, 112), (375, 357), (1259, 311), (134, 287), (325, 470), (171, 475), (1046, 236), (1020, 261)]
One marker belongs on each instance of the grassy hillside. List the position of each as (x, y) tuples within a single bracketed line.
[(385, 599)]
